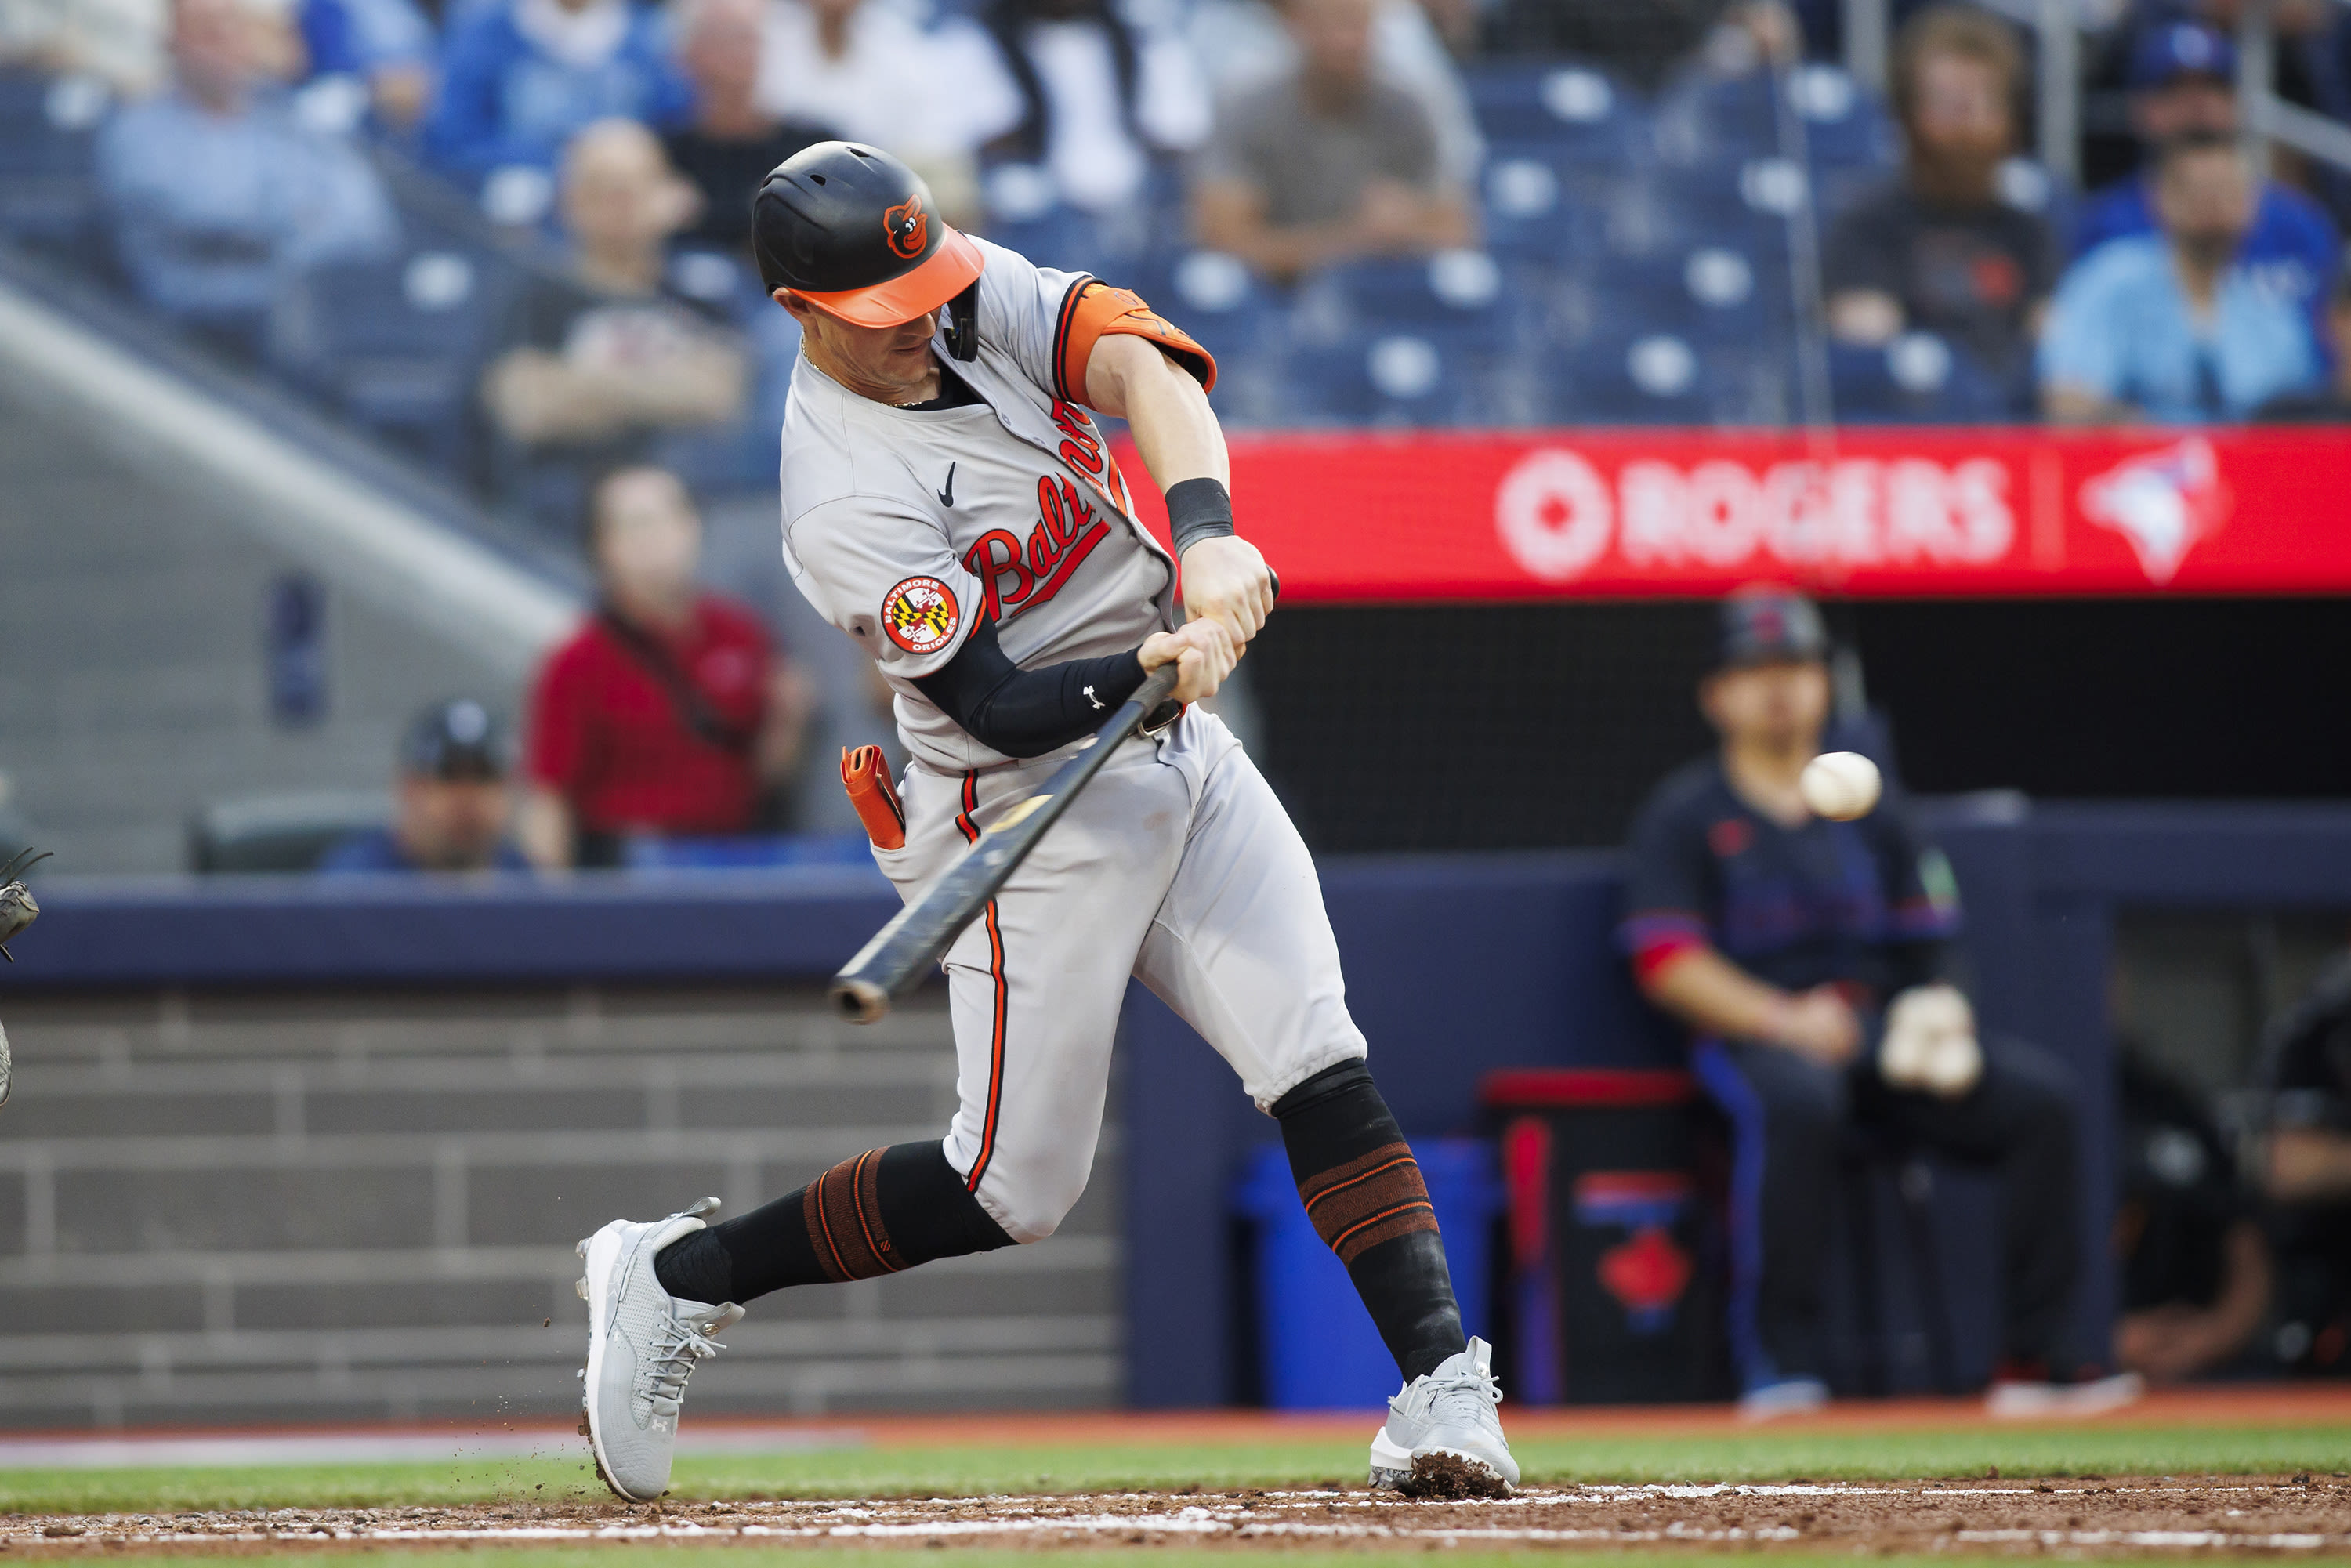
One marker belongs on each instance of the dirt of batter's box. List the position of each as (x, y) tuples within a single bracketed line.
[(1450, 1478), (2114, 1516)]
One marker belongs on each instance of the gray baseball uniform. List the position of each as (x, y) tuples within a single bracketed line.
[(1176, 866)]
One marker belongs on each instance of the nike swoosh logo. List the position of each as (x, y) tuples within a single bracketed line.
[(946, 496)]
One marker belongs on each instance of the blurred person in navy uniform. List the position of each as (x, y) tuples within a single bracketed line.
[(2195, 1266), (1782, 940), (1936, 249), (451, 803), (2183, 83), (2307, 1177)]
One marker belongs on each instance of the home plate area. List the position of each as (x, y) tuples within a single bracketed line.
[(2073, 1517)]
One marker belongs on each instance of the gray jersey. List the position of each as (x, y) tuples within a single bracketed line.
[(902, 527)]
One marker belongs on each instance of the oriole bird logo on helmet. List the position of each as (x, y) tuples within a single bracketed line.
[(908, 226)]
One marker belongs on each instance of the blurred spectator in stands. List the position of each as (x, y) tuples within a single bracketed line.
[(866, 69), (1785, 942), (2195, 1265), (521, 78), (1330, 162), (2183, 82), (733, 139), (668, 714), (2330, 403), (216, 189), (385, 48), (120, 42), (1243, 45), (1077, 88), (1937, 250), (596, 367), (2168, 325), (450, 801)]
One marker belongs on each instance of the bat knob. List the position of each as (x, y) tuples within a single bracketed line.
[(860, 1001)]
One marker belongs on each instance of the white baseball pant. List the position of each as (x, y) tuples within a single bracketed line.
[(1175, 865)]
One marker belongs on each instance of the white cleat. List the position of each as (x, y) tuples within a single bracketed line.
[(642, 1345), (1448, 1411), (1787, 1397), (2026, 1399)]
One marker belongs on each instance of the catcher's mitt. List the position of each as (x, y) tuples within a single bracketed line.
[(17, 909)]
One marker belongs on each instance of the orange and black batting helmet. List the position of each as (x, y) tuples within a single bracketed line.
[(855, 232)]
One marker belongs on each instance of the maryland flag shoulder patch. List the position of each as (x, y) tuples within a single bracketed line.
[(921, 615)]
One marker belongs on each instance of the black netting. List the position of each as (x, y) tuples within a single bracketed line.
[(1478, 727)]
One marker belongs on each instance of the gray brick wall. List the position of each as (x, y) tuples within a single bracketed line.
[(217, 1209)]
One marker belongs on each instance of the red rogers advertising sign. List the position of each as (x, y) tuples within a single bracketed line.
[(1362, 516)]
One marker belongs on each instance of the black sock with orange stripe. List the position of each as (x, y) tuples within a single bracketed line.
[(1363, 1191), (886, 1210)]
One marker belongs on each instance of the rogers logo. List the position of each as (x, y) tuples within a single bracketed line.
[(1555, 514), (1559, 515)]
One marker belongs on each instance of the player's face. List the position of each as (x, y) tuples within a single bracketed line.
[(1781, 704), (875, 361), (451, 824)]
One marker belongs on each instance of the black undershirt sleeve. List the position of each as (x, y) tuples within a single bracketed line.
[(1026, 713)]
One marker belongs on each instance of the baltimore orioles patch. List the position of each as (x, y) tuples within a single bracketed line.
[(921, 615)]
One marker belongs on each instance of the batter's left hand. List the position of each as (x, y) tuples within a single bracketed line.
[(1226, 580)]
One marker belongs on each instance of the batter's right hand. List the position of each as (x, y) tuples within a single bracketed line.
[(1204, 654)]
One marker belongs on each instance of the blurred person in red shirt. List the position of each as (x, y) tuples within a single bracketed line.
[(669, 713)]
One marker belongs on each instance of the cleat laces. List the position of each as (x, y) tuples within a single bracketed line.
[(678, 1346), (1466, 1396)]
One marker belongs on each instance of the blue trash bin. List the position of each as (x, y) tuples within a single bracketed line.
[(1316, 1342)]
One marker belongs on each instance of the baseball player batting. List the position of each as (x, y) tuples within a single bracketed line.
[(950, 503)]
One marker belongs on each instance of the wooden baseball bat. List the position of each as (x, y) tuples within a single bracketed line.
[(903, 951)]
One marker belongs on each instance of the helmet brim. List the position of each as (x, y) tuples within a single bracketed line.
[(944, 274)]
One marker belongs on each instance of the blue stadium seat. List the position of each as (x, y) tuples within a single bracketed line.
[(1383, 378), (49, 133), (396, 345), (1458, 296), (1578, 110), (1628, 378), (1728, 291), (1917, 379), (1714, 119), (1539, 205), (1745, 204)]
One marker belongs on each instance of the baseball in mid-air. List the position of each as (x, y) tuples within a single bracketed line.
[(1840, 786)]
